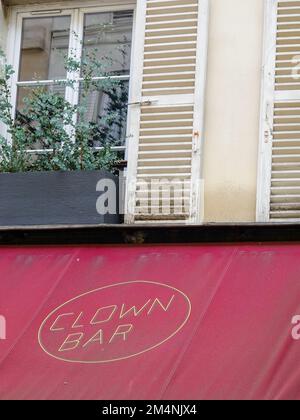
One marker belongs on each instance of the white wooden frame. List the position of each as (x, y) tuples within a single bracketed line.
[(266, 113), (196, 199), (135, 113), (197, 184), (74, 9)]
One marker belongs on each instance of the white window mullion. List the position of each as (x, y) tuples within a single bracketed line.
[(75, 52), (72, 94)]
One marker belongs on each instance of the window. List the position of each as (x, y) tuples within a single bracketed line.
[(44, 40)]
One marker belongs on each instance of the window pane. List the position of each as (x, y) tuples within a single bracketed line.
[(109, 35), (45, 43), (27, 115), (107, 111), (28, 92)]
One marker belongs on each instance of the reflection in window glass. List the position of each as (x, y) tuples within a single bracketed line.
[(109, 35), (28, 92), (45, 43), (23, 113), (98, 104)]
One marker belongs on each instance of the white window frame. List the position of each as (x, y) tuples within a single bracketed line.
[(75, 10), (268, 96)]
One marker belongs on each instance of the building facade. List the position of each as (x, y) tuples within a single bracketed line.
[(213, 98)]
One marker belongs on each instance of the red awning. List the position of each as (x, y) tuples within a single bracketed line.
[(150, 322)]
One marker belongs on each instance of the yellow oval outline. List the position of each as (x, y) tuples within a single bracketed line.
[(121, 358)]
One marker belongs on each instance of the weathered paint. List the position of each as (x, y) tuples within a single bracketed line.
[(232, 110)]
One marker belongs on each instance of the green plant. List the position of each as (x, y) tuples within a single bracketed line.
[(13, 157), (58, 134)]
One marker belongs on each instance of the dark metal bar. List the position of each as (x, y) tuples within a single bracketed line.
[(149, 234)]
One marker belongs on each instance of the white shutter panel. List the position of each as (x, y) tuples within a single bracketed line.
[(279, 177), (164, 145)]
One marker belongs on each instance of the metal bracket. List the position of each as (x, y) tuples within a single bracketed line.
[(143, 103)]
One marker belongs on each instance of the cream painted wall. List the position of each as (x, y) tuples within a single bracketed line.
[(232, 110), (3, 26)]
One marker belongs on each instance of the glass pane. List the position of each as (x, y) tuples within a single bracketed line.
[(109, 36), (45, 43), (29, 92), (26, 115), (107, 111)]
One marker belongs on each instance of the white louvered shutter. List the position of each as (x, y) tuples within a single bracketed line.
[(167, 112), (279, 183)]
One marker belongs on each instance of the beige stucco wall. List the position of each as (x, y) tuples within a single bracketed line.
[(232, 110), (3, 27)]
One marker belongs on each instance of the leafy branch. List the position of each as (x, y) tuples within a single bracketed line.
[(61, 133)]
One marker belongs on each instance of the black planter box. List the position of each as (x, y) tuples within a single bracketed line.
[(55, 198)]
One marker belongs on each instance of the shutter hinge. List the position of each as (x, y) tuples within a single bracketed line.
[(196, 142)]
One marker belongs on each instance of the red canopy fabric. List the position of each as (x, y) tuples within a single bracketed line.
[(150, 322)]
